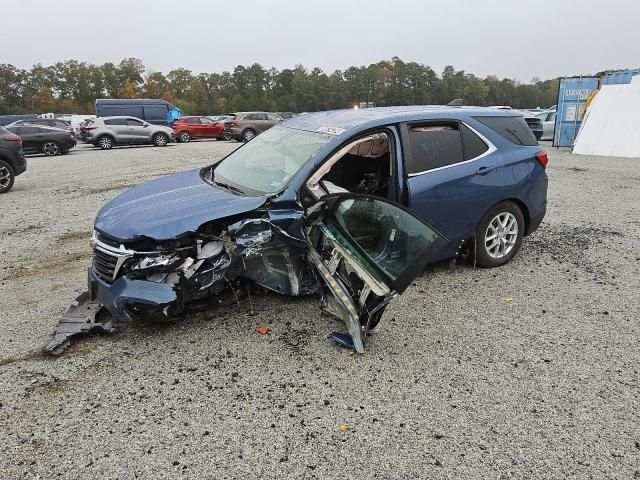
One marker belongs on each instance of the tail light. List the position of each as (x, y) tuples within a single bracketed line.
[(230, 124), (69, 135), (86, 129), (11, 138), (542, 158)]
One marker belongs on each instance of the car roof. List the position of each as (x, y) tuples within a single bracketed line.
[(338, 121), (118, 116)]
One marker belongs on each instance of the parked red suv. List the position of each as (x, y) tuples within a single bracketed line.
[(187, 128)]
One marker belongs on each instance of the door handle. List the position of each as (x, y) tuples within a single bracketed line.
[(485, 170)]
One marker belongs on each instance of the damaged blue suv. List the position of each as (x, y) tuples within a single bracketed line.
[(349, 205)]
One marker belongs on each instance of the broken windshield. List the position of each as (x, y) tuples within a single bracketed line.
[(266, 163)]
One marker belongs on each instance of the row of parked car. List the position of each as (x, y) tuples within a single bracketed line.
[(106, 132)]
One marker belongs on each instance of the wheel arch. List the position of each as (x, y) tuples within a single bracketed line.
[(112, 137), (526, 215)]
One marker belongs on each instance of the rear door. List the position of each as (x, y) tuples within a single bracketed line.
[(209, 128), (455, 175), (366, 251), (119, 128), (194, 126)]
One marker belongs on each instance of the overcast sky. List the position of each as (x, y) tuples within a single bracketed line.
[(519, 39)]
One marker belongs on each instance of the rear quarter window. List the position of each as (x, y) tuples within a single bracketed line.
[(514, 129)]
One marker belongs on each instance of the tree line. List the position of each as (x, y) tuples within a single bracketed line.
[(72, 87)]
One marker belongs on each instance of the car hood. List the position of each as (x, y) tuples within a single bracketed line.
[(169, 207)]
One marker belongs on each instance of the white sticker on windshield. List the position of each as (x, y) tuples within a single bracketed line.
[(330, 130)]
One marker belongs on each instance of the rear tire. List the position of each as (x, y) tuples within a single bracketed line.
[(185, 137), (105, 142), (160, 139), (248, 135), (227, 136), (51, 148), (499, 235), (7, 177)]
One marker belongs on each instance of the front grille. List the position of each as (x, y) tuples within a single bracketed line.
[(104, 264)]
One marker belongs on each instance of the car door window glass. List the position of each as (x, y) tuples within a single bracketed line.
[(115, 121), (273, 118), (206, 121), (473, 145), (192, 121), (380, 233), (434, 146), (132, 122)]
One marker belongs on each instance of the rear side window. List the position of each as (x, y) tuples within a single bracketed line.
[(115, 121), (514, 129), (473, 145), (133, 122), (154, 113), (434, 145)]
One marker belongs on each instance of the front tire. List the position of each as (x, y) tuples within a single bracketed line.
[(51, 149), (105, 142), (185, 137), (7, 177), (499, 235), (248, 135), (160, 140)]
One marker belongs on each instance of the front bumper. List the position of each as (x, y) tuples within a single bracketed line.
[(127, 299)]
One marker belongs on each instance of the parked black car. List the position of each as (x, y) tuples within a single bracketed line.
[(45, 122), (12, 161), (47, 140), (535, 124)]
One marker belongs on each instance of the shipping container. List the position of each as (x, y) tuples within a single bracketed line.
[(573, 93), (619, 77)]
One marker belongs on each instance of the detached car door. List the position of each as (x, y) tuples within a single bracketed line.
[(366, 250)]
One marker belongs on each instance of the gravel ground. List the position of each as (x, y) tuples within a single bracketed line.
[(527, 371)]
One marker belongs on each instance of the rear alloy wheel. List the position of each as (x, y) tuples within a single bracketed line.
[(51, 148), (185, 137), (105, 142), (499, 235), (248, 135), (227, 136), (160, 140), (7, 177)]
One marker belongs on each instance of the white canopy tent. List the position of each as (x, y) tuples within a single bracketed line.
[(611, 126)]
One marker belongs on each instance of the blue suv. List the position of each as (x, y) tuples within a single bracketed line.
[(350, 205)]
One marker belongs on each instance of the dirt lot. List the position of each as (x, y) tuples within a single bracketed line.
[(527, 371)]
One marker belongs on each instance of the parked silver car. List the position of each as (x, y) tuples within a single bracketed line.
[(105, 132), (548, 120)]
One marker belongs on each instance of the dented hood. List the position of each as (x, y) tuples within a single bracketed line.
[(169, 207)]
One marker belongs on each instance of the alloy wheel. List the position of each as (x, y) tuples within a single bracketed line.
[(105, 143), (51, 148), (5, 177), (248, 135), (160, 140), (501, 235), (185, 137)]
